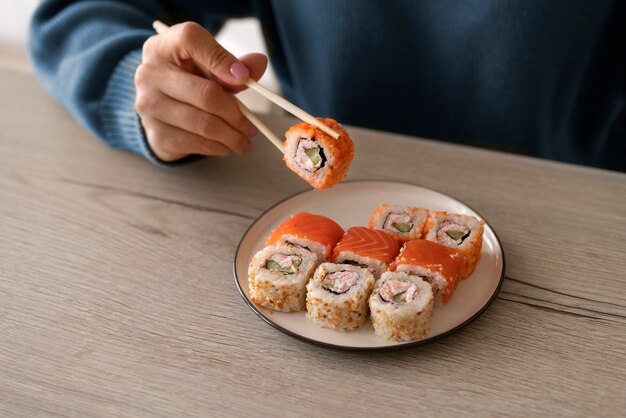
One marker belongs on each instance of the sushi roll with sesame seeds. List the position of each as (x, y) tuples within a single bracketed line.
[(321, 160), (277, 277), (401, 306), (463, 233), (337, 296), (403, 222)]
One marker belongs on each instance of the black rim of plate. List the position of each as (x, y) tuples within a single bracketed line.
[(392, 346)]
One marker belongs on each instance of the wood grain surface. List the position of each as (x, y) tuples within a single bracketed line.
[(117, 296)]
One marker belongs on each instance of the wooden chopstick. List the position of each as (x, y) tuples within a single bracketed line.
[(290, 107), (263, 128), (161, 27)]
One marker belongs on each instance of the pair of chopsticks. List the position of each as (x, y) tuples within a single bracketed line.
[(161, 27)]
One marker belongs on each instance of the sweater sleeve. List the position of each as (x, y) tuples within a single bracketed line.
[(85, 54)]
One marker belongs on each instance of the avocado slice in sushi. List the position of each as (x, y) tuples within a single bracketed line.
[(314, 155), (273, 265), (457, 235), (403, 227), (400, 297)]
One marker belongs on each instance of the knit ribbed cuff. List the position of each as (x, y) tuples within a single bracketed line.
[(121, 123)]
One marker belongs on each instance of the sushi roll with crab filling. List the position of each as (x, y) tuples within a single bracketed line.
[(337, 296), (401, 306), (315, 233), (277, 277), (460, 232), (403, 222), (321, 160), (436, 264), (367, 248)]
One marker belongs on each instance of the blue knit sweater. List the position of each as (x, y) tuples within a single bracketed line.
[(538, 77)]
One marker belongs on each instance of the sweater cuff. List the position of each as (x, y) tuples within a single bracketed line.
[(120, 122)]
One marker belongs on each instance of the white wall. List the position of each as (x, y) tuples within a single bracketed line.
[(14, 18)]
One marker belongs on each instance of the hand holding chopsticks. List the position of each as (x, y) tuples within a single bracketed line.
[(160, 27)]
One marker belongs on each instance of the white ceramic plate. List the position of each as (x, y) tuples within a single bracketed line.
[(350, 204)]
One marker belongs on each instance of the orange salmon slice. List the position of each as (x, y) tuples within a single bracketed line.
[(367, 242)]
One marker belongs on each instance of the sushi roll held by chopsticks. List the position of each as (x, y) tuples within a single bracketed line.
[(321, 160)]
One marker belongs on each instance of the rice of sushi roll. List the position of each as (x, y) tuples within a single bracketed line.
[(315, 233), (436, 264), (321, 160), (463, 233), (337, 296), (277, 277), (401, 306), (367, 248), (404, 222)]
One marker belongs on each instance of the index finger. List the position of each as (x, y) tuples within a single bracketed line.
[(191, 42)]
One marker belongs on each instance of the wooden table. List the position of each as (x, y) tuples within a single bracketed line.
[(117, 296)]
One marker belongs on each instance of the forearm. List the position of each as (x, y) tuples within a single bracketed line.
[(85, 53)]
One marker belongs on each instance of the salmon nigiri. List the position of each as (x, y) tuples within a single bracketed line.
[(368, 248), (315, 233), (437, 264)]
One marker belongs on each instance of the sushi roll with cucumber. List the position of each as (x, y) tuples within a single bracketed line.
[(321, 160), (315, 233), (367, 248), (401, 306), (337, 296), (436, 264), (403, 222), (277, 277), (463, 233)]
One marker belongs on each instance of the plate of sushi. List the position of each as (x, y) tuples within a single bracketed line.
[(369, 265)]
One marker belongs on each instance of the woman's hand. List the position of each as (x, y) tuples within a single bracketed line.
[(183, 112)]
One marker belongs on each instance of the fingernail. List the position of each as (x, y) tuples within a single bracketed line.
[(252, 130), (248, 148), (239, 71)]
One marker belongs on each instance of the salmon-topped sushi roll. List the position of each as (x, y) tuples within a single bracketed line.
[(403, 222), (337, 296), (434, 263), (315, 233), (321, 160), (367, 248), (460, 232), (401, 306)]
